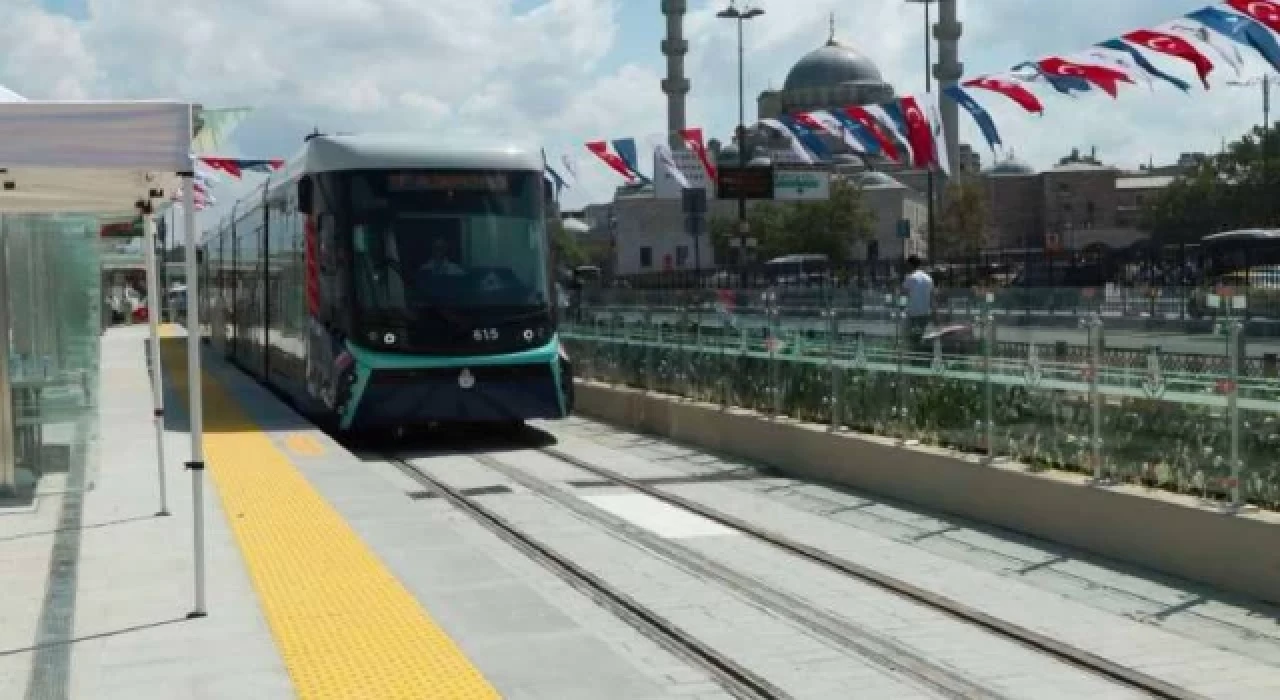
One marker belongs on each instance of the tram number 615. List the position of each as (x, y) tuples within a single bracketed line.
[(481, 335)]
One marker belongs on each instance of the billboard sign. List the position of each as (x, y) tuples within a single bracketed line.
[(801, 185), (751, 182)]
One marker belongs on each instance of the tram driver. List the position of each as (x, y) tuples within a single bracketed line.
[(439, 262)]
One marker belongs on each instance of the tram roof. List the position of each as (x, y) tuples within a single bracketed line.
[(405, 151)]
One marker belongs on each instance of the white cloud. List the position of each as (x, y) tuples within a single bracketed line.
[(483, 69)]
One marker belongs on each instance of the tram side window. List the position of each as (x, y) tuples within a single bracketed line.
[(331, 287)]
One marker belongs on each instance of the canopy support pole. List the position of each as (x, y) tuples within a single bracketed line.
[(155, 306), (194, 387), (8, 447)]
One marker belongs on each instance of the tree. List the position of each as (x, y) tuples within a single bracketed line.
[(827, 227), (1189, 208), (564, 247), (1232, 190), (962, 221)]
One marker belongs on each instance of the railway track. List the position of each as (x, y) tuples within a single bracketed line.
[(836, 632), (1070, 654), (740, 682)]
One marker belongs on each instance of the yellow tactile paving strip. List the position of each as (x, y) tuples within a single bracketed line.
[(345, 626)]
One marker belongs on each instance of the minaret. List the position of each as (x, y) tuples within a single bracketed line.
[(676, 86), (948, 71)]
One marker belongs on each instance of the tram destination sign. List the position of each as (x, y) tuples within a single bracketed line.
[(439, 181), (751, 182)]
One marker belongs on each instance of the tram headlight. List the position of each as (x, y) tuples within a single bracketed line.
[(389, 338)]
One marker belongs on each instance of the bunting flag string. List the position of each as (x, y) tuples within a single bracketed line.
[(908, 130), (614, 160), (236, 166), (692, 138)]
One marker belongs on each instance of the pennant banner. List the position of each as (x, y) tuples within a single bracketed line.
[(908, 130), (236, 166)]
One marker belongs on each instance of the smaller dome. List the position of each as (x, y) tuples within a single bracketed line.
[(1010, 166), (575, 226), (874, 178)]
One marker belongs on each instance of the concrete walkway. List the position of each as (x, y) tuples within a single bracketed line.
[(95, 588)]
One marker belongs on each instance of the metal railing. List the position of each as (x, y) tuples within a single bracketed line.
[(1193, 411)]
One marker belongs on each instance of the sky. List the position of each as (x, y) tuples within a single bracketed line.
[(558, 73)]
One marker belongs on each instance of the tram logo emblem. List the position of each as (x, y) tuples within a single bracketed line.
[(466, 379)]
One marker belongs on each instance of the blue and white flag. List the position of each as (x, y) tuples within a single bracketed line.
[(1121, 46), (979, 113), (626, 149), (1241, 29)]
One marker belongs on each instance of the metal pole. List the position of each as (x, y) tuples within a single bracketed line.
[(725, 363), (989, 348), (833, 332), (775, 382), (1095, 393), (899, 314), (163, 231), (157, 372), (648, 340), (8, 453), (1266, 147), (743, 226), (1235, 334), (928, 87), (194, 378)]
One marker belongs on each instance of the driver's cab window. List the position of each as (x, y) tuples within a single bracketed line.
[(381, 278)]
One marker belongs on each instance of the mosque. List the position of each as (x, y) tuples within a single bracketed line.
[(1026, 209)]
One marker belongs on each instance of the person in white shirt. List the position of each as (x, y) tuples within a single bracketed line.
[(918, 288)]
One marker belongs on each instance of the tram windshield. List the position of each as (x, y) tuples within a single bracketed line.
[(428, 241)]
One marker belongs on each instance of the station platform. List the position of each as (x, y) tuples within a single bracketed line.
[(333, 574)]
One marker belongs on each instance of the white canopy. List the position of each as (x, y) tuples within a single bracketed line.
[(91, 156), (105, 157), (7, 95)]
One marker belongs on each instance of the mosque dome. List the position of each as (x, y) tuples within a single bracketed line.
[(875, 178), (831, 65), (574, 226)]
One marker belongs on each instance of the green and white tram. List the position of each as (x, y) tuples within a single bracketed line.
[(384, 282)]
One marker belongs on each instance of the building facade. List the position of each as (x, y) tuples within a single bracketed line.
[(1079, 203)]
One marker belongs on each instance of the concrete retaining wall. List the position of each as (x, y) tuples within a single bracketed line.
[(1165, 532)]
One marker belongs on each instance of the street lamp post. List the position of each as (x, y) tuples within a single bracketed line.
[(928, 87), (1265, 82), (732, 12)]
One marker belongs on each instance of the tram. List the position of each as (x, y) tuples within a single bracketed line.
[(379, 282), (1246, 261)]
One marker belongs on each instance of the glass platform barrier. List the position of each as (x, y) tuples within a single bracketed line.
[(51, 288), (1126, 396)]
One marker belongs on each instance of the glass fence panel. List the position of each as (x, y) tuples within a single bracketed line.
[(1119, 384), (52, 281)]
